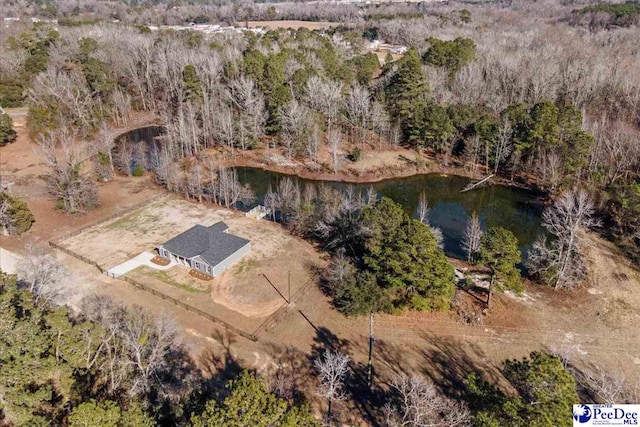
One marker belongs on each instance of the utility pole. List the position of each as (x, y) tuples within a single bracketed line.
[(370, 363)]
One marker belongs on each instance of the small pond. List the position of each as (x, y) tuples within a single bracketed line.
[(497, 206)]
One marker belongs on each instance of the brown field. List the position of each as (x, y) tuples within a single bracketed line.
[(294, 25)]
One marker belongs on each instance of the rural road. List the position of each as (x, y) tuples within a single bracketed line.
[(8, 261)]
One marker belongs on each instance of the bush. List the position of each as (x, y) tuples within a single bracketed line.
[(15, 216), (7, 134), (355, 155), (12, 90), (138, 171)]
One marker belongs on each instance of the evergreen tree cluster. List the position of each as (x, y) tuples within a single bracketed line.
[(394, 262), (63, 369)]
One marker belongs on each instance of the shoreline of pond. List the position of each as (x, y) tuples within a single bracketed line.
[(403, 167), (379, 175)]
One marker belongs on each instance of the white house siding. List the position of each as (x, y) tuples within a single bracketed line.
[(202, 265), (231, 259), (199, 265)]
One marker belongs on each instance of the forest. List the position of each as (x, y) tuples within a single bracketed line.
[(539, 115), (543, 96)]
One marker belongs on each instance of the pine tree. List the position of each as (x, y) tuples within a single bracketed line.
[(499, 251), (192, 85), (15, 216), (7, 133), (407, 87), (250, 403), (405, 259)]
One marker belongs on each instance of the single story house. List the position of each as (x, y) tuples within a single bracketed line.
[(210, 250)]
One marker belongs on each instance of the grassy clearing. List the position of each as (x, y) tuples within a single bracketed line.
[(134, 220), (164, 277), (246, 265)]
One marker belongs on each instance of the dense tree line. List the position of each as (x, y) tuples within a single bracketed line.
[(510, 106), (607, 15), (114, 366)]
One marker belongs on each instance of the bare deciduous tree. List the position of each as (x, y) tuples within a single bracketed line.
[(504, 146), (335, 139), (229, 190), (195, 182), (124, 156), (437, 235), (609, 387), (560, 262), (472, 237), (104, 146), (423, 208), (271, 203), (294, 120), (72, 189), (358, 108), (43, 277), (248, 101), (332, 369), (147, 340), (136, 347), (326, 97), (415, 402)]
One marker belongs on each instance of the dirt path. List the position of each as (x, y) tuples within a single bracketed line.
[(598, 324), (8, 261)]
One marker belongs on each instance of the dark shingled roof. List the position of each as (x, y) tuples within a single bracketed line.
[(211, 243)]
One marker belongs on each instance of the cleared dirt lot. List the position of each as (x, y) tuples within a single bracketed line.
[(244, 295)]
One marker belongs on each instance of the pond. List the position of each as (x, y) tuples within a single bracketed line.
[(497, 206), (138, 154)]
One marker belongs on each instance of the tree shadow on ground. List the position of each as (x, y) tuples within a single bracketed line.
[(220, 366), (290, 377), (217, 369), (448, 363), (365, 399), (594, 383), (327, 340)]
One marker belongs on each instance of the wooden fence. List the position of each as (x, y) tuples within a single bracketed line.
[(190, 308), (76, 255), (280, 312)]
